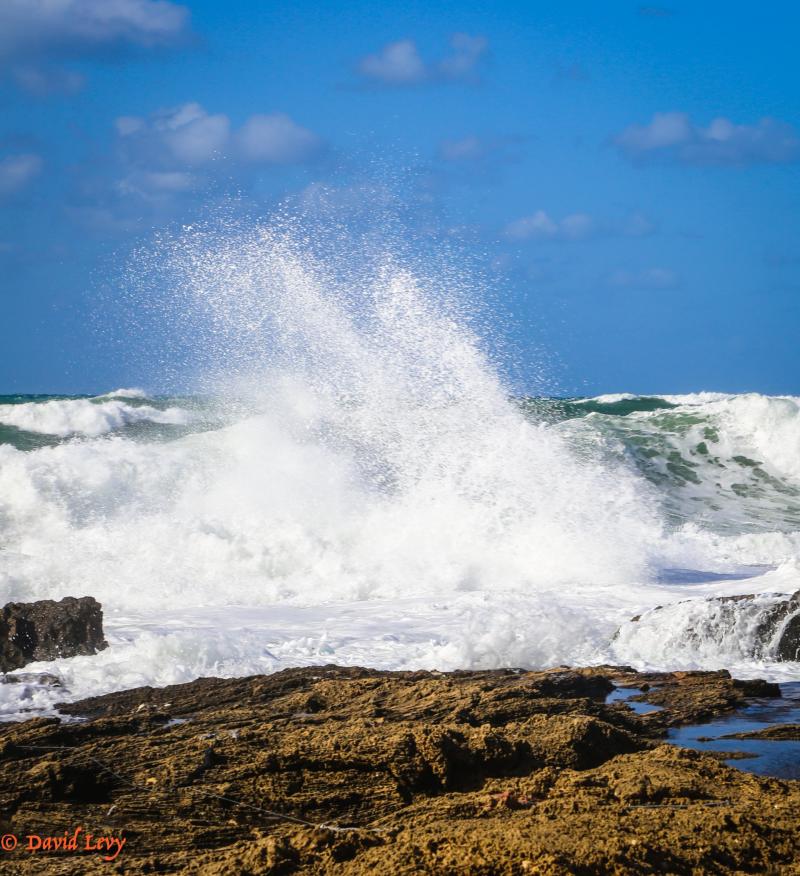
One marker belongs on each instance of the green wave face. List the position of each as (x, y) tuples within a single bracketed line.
[(713, 463)]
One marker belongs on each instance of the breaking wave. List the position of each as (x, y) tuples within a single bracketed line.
[(356, 483)]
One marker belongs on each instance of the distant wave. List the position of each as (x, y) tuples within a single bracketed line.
[(88, 417)]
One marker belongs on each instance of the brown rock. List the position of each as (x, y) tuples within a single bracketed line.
[(502, 772)]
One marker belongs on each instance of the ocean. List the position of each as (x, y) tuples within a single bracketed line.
[(355, 482), (223, 540)]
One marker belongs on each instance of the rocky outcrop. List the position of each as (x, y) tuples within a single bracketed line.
[(47, 630), (786, 617), (331, 770), (778, 629), (773, 625)]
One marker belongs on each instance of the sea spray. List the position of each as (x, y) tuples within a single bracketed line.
[(376, 453)]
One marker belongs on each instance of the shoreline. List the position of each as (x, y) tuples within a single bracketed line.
[(349, 770)]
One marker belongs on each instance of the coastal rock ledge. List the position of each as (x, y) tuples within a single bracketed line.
[(348, 772), (47, 630)]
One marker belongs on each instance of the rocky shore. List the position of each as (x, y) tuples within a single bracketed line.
[(348, 771)]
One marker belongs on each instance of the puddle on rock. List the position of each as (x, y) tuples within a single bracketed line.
[(767, 757), (624, 694)]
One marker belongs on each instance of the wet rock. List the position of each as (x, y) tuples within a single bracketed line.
[(777, 634), (47, 630), (692, 697), (778, 630), (37, 678), (788, 616), (776, 625), (776, 731)]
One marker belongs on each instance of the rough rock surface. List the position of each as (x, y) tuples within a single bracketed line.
[(46, 630), (352, 771)]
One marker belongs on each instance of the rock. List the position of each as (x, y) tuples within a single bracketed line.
[(776, 626), (347, 772), (776, 731), (46, 630), (778, 630), (788, 615), (36, 678)]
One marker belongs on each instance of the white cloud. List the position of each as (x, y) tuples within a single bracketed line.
[(77, 27), (169, 181), (577, 226), (127, 125), (540, 226), (396, 64), (638, 225), (480, 153), (36, 34), (467, 51), (664, 130), (400, 63), (157, 183), (276, 139), (649, 278), (193, 135), (16, 171), (188, 135), (673, 136)]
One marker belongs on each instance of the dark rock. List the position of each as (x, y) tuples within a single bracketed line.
[(778, 632), (781, 620), (776, 731), (39, 678), (777, 629), (788, 647), (46, 630)]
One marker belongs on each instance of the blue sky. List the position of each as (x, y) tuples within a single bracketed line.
[(625, 174)]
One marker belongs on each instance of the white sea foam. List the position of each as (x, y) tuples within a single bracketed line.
[(611, 398), (769, 428), (126, 393), (89, 417), (697, 398)]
